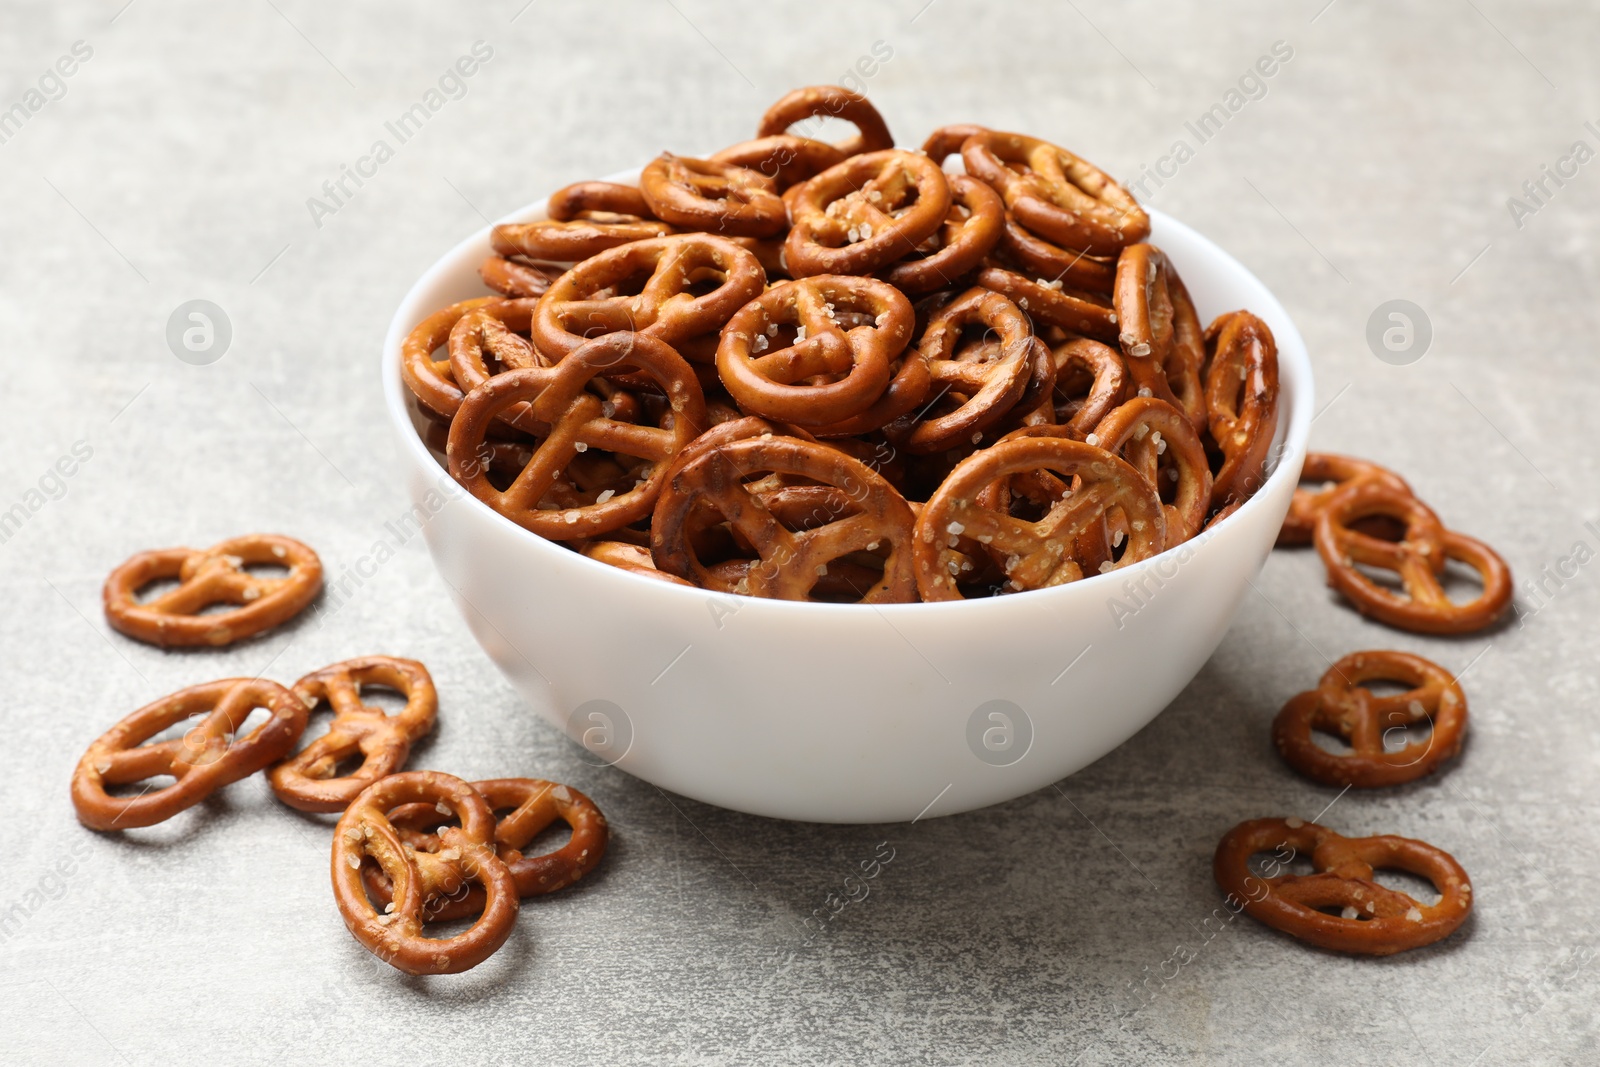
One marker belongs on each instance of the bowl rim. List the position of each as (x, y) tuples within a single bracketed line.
[(1290, 449)]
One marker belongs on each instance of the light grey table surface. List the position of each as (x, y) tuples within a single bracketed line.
[(1068, 926)]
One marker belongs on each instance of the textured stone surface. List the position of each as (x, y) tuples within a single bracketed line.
[(1376, 166)]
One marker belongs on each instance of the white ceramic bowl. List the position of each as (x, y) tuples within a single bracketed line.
[(847, 713)]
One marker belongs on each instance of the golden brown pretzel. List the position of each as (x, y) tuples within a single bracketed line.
[(709, 536), (983, 381), (1149, 320), (489, 340), (584, 302), (1419, 560), (558, 397), (1334, 471), (1075, 311), (309, 780), (492, 339), (635, 559), (769, 253), (868, 516), (785, 159), (1036, 407), (1401, 528), (797, 503), (1037, 491), (829, 101), (203, 760), (802, 508), (586, 218), (1107, 376), (1186, 363), (512, 278), (1039, 552), (1052, 263), (1342, 705), (877, 453), (946, 141), (1223, 513), (550, 241), (531, 805), (909, 385), (596, 200), (431, 380), (971, 229), (1374, 920), (865, 213), (466, 854), (618, 553), (1056, 194), (503, 459), (1144, 431), (720, 198), (737, 429), (1144, 304), (841, 583), (845, 332), (1241, 401), (207, 577)]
